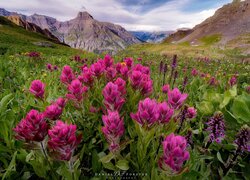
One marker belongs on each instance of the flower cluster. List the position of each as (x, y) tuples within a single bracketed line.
[(112, 94), (54, 111), (194, 72), (243, 139), (67, 75), (87, 76), (216, 128), (76, 91), (165, 88), (176, 98), (174, 153), (37, 88), (232, 81), (140, 79), (51, 68), (113, 129), (191, 113), (63, 140), (32, 128), (33, 54), (149, 112)]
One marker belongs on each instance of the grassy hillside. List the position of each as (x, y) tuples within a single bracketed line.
[(15, 39), (208, 48)]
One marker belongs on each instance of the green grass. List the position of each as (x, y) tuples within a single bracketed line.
[(15, 39), (210, 40)]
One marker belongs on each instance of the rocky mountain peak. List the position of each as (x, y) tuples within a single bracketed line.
[(84, 15)]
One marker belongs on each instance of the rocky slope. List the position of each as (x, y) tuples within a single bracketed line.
[(230, 21), (178, 35), (31, 27), (83, 32)]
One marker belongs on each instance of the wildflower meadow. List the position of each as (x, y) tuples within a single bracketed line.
[(130, 116)]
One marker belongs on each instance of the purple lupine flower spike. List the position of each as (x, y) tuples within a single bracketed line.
[(216, 128)]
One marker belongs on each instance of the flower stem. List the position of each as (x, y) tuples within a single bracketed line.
[(231, 162), (47, 159), (71, 169)]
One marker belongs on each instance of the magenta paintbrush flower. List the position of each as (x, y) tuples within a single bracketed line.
[(129, 62), (111, 73), (118, 67), (140, 79), (32, 128), (121, 86), (124, 71), (135, 78), (61, 102), (174, 153), (194, 72), (76, 90), (147, 113), (108, 61), (97, 68), (113, 99), (191, 112), (113, 129), (165, 88), (63, 140), (146, 85), (142, 69), (49, 67), (87, 76), (37, 88), (165, 112), (175, 98), (232, 81), (53, 112), (67, 75)]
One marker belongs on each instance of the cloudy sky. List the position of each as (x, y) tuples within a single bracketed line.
[(148, 15)]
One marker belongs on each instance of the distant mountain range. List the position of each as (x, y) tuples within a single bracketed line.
[(229, 26), (151, 37), (83, 32)]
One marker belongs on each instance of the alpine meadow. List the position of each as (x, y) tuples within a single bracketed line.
[(113, 94)]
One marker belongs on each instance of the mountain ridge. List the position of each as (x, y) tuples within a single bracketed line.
[(230, 21), (84, 32)]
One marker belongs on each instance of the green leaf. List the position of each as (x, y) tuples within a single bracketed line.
[(11, 167), (123, 165), (241, 108), (96, 165), (219, 157), (63, 170), (206, 107), (107, 158), (228, 95), (4, 102), (109, 166)]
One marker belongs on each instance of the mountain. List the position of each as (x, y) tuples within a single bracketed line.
[(31, 27), (83, 32), (3, 12), (15, 39), (178, 35), (152, 37), (228, 23)]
